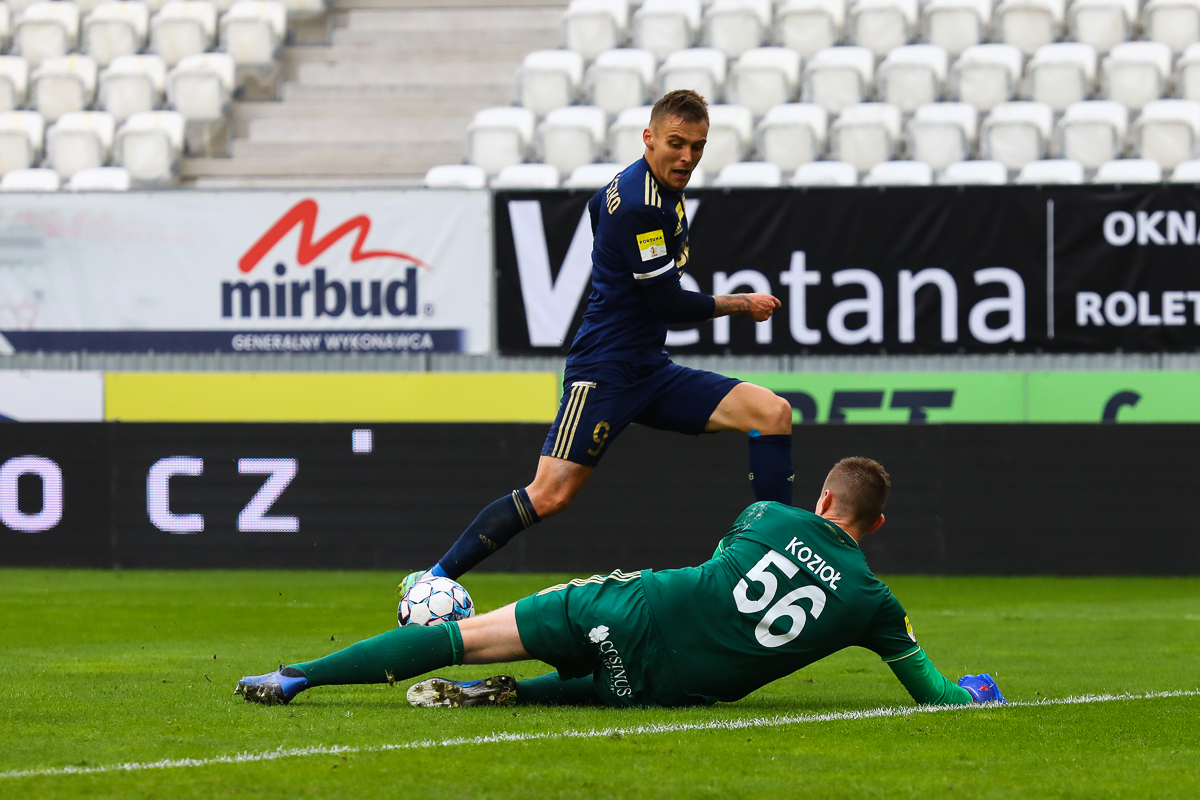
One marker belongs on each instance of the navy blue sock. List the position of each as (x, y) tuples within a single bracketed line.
[(771, 467), (491, 530)]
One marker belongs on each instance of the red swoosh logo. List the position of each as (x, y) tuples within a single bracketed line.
[(304, 214)]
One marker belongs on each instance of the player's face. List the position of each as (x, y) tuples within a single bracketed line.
[(673, 149)]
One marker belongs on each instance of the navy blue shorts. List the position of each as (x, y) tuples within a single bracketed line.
[(600, 400)]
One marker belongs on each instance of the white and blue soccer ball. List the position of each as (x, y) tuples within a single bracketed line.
[(434, 600)]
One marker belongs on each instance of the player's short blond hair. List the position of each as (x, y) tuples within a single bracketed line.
[(689, 106), (861, 487)]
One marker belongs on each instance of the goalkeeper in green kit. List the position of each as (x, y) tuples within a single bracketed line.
[(785, 588)]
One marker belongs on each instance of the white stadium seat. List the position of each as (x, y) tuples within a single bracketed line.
[(665, 26), (1186, 172), (1054, 170), (825, 173), (880, 25), (252, 30), (943, 133), (64, 84), (499, 136), (735, 26), (79, 140), (1102, 23), (573, 136), (46, 30), (30, 180), (912, 76), (115, 29), (1092, 133), (100, 179), (625, 142), (765, 77), (749, 174), (621, 79), (550, 79), (22, 134), (986, 75), (730, 135), (528, 176), (1187, 73), (1129, 170), (1029, 24), (183, 28), (1016, 133), (807, 26), (593, 26), (1175, 23), (1061, 74), (199, 87), (866, 134), (150, 145), (14, 82), (592, 176), (456, 176), (1134, 73), (1167, 131), (974, 173), (956, 25), (837, 77), (791, 135), (701, 69), (899, 173), (132, 84)]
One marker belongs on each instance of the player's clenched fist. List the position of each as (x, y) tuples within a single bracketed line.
[(762, 306), (758, 307)]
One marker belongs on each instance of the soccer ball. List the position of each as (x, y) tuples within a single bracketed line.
[(434, 600)]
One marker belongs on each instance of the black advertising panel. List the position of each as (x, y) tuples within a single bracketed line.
[(895, 270)]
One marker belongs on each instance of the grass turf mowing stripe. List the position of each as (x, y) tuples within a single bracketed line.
[(495, 738)]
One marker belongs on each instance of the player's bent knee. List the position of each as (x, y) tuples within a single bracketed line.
[(776, 416), (549, 503)]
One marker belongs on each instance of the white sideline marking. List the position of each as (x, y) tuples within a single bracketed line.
[(493, 738)]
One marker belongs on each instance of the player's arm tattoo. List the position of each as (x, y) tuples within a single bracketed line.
[(728, 304)]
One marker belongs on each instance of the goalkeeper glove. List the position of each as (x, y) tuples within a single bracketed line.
[(982, 688)]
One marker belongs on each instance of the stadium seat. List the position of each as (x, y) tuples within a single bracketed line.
[(955, 25), (1167, 131), (252, 30), (456, 176), (527, 176), (701, 69), (825, 173), (79, 140), (46, 30), (550, 79), (912, 76), (625, 142), (573, 136), (1016, 133), (837, 77), (499, 136), (14, 82), (100, 179), (301, 9), (899, 173), (1186, 172), (730, 136), (1175, 23), (592, 176), (1029, 24), (183, 28), (1134, 73), (21, 137), (791, 135), (765, 77), (132, 84), (64, 84), (665, 26), (943, 133), (807, 26), (866, 134), (1061, 74), (735, 26), (1187, 73), (1102, 23), (30, 180), (1055, 170), (986, 75), (977, 173), (150, 145), (199, 87), (749, 174), (621, 79), (1129, 170), (593, 26), (115, 29), (880, 25), (1092, 133)]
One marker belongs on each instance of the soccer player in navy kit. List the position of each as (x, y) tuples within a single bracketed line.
[(617, 370)]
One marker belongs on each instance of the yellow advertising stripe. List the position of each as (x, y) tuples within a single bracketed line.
[(331, 397)]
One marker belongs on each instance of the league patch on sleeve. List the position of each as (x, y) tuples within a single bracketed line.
[(652, 245), (911, 633)]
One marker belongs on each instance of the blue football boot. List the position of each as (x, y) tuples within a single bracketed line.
[(435, 692), (274, 688), (982, 688)]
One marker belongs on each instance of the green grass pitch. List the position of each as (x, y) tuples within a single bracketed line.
[(105, 668)]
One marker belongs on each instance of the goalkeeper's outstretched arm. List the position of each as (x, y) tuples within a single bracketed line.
[(926, 685)]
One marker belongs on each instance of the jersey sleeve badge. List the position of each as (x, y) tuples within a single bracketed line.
[(911, 633), (652, 245)]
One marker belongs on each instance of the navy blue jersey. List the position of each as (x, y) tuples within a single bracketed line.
[(640, 233)]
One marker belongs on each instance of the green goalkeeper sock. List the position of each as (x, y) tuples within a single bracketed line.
[(551, 690), (399, 654)]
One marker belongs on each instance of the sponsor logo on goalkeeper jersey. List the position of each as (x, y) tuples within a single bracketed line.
[(614, 665), (815, 563)]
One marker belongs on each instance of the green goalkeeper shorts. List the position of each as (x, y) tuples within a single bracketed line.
[(602, 626)]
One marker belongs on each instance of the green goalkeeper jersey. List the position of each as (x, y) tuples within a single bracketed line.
[(786, 588)]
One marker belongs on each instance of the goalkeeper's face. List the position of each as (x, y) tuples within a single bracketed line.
[(673, 149)]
